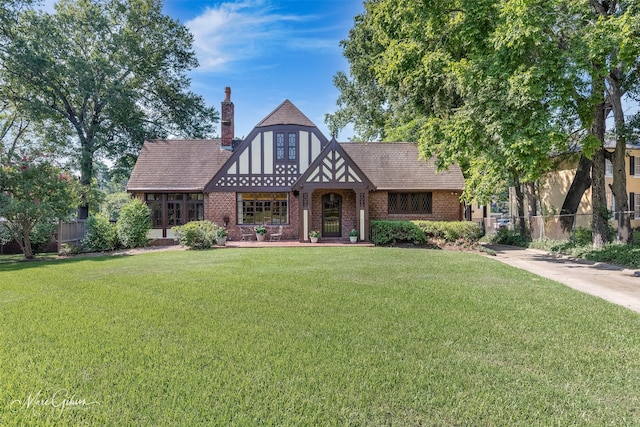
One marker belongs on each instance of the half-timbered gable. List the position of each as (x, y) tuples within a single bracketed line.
[(274, 154), (333, 170), (288, 176)]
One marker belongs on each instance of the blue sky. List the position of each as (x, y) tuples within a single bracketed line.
[(268, 51)]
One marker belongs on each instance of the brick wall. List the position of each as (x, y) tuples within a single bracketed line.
[(445, 207), (219, 205)]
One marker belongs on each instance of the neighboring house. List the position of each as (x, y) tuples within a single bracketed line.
[(287, 175), (555, 185)]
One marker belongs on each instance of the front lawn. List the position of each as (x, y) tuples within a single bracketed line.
[(309, 336)]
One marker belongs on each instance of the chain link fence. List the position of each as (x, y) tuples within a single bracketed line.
[(554, 227)]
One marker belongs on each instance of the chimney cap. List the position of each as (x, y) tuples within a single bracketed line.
[(227, 94)]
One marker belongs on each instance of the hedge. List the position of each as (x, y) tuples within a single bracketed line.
[(419, 232)]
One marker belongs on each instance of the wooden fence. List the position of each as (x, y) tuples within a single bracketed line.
[(71, 232)]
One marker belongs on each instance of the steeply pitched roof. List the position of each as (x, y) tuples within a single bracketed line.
[(176, 165), (286, 114), (333, 168), (397, 165)]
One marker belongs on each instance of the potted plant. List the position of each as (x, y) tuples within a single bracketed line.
[(314, 235), (221, 237), (353, 235), (260, 230)]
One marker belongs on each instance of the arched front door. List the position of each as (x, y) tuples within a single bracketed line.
[(331, 215)]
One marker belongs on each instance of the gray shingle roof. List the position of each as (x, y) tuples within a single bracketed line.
[(286, 114), (176, 165), (397, 165)]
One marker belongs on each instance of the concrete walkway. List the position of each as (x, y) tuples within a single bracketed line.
[(609, 282)]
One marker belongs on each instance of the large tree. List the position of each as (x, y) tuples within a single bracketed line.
[(107, 73), (497, 86), (461, 79)]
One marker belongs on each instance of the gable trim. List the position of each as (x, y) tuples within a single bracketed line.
[(333, 168), (253, 165)]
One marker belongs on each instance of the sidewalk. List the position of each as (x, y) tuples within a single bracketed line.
[(612, 283)]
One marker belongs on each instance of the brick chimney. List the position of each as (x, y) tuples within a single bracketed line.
[(226, 123)]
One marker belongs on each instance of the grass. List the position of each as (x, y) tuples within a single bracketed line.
[(309, 336)]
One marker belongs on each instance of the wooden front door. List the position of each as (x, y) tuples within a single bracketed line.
[(331, 215)]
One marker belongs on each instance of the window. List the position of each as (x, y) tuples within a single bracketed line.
[(611, 200), (195, 207), (263, 208), (154, 201), (608, 168), (286, 146), (279, 146), (179, 208), (293, 145), (410, 203), (174, 209), (636, 169)]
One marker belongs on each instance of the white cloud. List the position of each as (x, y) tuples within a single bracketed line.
[(235, 32)]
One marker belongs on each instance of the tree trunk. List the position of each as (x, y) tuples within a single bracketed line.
[(619, 187), (581, 182), (86, 175), (532, 206), (25, 240), (520, 208), (600, 215)]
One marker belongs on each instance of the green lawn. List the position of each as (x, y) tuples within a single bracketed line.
[(309, 336)]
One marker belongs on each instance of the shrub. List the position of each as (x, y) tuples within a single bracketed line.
[(451, 231), (197, 234), (67, 249), (582, 236), (101, 234), (134, 224), (42, 233), (504, 236), (393, 232)]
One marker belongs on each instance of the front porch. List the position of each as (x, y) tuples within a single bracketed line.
[(334, 212)]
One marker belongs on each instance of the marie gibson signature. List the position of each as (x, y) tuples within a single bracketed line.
[(60, 400)]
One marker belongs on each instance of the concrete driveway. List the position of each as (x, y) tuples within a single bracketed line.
[(609, 282)]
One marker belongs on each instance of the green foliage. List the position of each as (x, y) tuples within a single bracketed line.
[(109, 73), (260, 229), (504, 236), (451, 231), (67, 249), (101, 234), (619, 254), (113, 204), (419, 232), (134, 224), (394, 232), (5, 234), (582, 236), (41, 235), (35, 195), (198, 234)]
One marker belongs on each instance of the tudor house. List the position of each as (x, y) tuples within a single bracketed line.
[(288, 176)]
